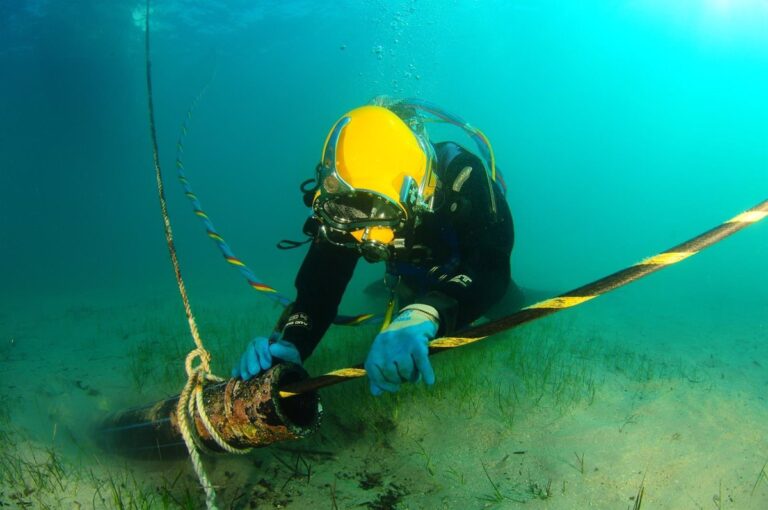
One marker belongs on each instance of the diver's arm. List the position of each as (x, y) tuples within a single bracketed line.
[(320, 285), (485, 244), (467, 293)]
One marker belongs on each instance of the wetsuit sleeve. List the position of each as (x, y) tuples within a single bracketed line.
[(464, 293), (320, 285)]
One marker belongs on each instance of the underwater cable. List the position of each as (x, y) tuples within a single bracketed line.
[(274, 407), (569, 299), (282, 403)]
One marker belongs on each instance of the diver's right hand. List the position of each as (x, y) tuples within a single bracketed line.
[(259, 355)]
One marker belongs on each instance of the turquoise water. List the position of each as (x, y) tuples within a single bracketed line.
[(622, 128)]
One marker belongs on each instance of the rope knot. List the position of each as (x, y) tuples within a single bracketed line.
[(203, 367)]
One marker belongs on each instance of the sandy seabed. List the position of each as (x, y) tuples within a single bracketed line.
[(591, 408)]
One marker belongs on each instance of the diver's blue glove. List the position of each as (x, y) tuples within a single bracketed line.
[(259, 355), (400, 353)]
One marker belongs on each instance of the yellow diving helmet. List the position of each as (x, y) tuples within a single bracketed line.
[(375, 176)]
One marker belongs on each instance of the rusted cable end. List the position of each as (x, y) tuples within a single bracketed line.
[(251, 414), (246, 414)]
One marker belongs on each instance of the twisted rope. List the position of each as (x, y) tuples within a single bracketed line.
[(187, 407), (210, 229)]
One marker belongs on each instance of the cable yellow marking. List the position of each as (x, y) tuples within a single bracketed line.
[(561, 302), (451, 341), (348, 372), (663, 259), (749, 217)]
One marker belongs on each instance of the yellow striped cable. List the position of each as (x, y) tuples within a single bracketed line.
[(666, 258), (748, 217), (561, 302)]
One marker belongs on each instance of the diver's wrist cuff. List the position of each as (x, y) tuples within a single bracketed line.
[(430, 311)]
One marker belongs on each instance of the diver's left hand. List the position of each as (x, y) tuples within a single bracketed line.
[(400, 353), (262, 353)]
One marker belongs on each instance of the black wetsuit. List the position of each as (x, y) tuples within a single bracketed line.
[(457, 261)]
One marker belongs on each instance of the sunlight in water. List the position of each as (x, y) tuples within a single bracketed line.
[(719, 22)]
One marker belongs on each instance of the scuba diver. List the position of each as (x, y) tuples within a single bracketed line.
[(434, 214)]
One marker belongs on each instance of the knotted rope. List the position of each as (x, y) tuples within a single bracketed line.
[(197, 375)]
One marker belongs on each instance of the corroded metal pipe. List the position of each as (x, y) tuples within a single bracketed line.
[(244, 413)]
